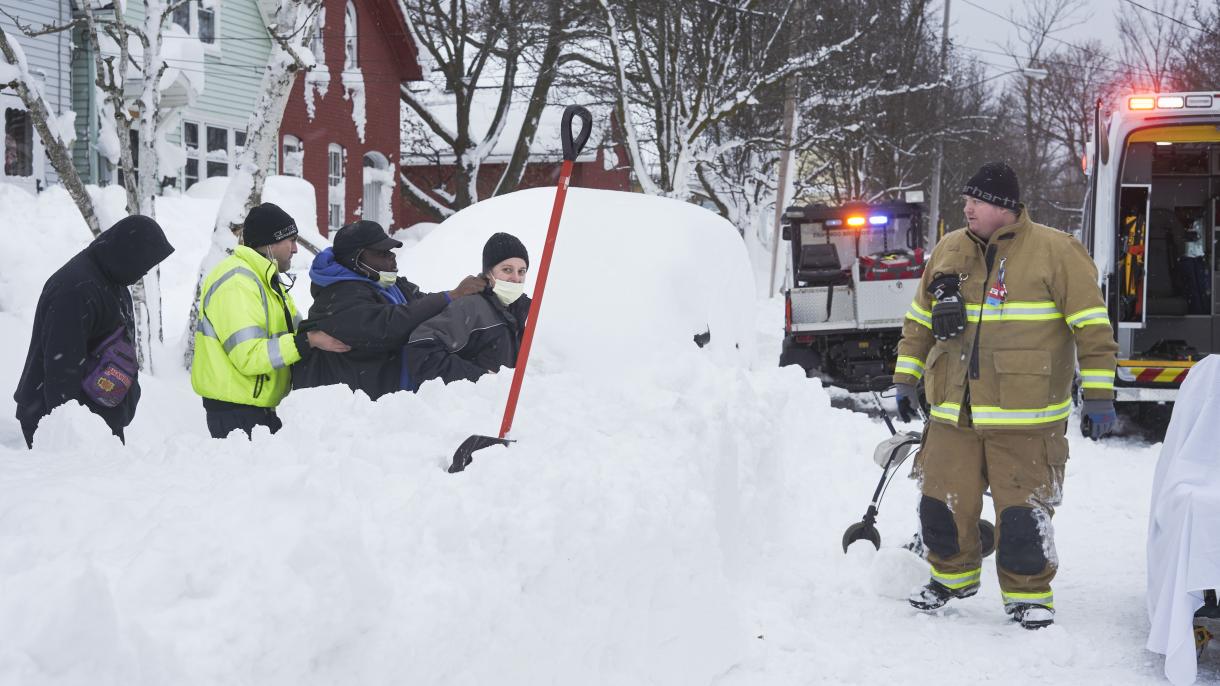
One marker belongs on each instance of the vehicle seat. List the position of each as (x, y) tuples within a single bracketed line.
[(1164, 298), (820, 266)]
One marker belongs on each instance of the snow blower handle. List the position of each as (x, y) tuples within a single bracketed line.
[(573, 144)]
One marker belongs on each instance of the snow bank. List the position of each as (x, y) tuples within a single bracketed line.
[(633, 280), (673, 523)]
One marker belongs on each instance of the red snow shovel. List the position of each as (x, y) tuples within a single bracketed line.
[(572, 145)]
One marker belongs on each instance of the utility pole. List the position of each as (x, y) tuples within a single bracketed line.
[(939, 154), (781, 189)]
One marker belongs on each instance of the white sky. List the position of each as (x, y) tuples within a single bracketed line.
[(974, 28)]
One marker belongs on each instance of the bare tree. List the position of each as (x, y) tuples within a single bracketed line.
[(291, 28), (677, 71), (482, 53), (49, 128), (1197, 66), (1151, 41)]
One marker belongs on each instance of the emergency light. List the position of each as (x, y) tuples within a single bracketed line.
[(878, 220), (1170, 102), (855, 221), (1141, 103)]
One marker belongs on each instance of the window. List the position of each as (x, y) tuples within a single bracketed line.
[(190, 140), (316, 45), (335, 186), (210, 155), (18, 143), (206, 19), (196, 20), (350, 30), (378, 189), (218, 151), (292, 159)]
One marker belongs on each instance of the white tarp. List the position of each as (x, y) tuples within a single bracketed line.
[(1184, 523)]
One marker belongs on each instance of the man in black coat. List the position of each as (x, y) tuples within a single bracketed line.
[(478, 335), (360, 299), (81, 305)]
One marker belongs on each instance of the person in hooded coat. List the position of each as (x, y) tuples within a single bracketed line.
[(478, 335), (82, 304), (360, 299)]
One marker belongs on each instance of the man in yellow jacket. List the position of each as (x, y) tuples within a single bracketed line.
[(1007, 312), (248, 329)]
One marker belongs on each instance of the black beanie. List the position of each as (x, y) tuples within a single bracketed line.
[(500, 247), (995, 183), (267, 224)]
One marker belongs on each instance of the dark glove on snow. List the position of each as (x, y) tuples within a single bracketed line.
[(949, 312), (907, 400), (1102, 417)]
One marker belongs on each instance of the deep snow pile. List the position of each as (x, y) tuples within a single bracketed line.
[(675, 520)]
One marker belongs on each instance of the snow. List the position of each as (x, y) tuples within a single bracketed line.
[(353, 90), (317, 82), (673, 521)]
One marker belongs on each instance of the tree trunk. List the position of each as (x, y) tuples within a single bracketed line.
[(57, 151)]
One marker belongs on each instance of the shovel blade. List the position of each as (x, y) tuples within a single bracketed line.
[(465, 451), (861, 531)]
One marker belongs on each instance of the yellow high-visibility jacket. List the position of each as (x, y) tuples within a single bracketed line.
[(244, 341), (1029, 344)]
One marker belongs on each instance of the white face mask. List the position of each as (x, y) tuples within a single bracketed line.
[(507, 291)]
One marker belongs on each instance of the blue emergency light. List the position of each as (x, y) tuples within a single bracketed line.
[(878, 219)]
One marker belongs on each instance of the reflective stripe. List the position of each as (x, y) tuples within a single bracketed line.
[(237, 271), (1045, 599), (1097, 378), (919, 315), (949, 411), (957, 581), (242, 335), (273, 352), (1089, 317), (998, 416), (206, 328), (909, 365), (1043, 310)]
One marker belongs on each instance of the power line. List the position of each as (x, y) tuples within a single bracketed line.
[(1175, 20)]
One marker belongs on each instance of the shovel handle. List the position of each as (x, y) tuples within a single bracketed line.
[(573, 144)]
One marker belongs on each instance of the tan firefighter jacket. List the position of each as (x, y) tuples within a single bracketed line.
[(1014, 363)]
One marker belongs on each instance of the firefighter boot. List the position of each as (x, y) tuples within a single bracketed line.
[(936, 595), (1031, 616)]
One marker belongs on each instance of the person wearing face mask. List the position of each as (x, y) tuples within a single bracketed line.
[(360, 298), (477, 335), (248, 334)]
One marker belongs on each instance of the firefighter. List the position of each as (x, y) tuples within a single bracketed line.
[(1005, 312)]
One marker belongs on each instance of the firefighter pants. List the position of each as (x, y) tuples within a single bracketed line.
[(1024, 469)]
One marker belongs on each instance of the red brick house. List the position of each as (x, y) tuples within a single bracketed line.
[(341, 124)]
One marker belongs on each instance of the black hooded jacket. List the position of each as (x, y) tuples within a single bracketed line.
[(472, 337), (355, 312), (81, 304)]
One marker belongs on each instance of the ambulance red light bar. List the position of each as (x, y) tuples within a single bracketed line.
[(855, 221), (1170, 102), (1141, 103)]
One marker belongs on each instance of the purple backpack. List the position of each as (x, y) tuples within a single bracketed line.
[(111, 369)]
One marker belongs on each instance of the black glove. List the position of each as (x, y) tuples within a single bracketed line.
[(949, 312), (905, 394)]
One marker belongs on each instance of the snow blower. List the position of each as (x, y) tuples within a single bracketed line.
[(572, 145), (890, 454)]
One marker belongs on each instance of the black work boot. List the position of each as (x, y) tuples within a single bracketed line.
[(1030, 615), (935, 595)]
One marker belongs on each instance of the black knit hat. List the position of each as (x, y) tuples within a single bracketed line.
[(500, 247), (995, 183), (267, 224)]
